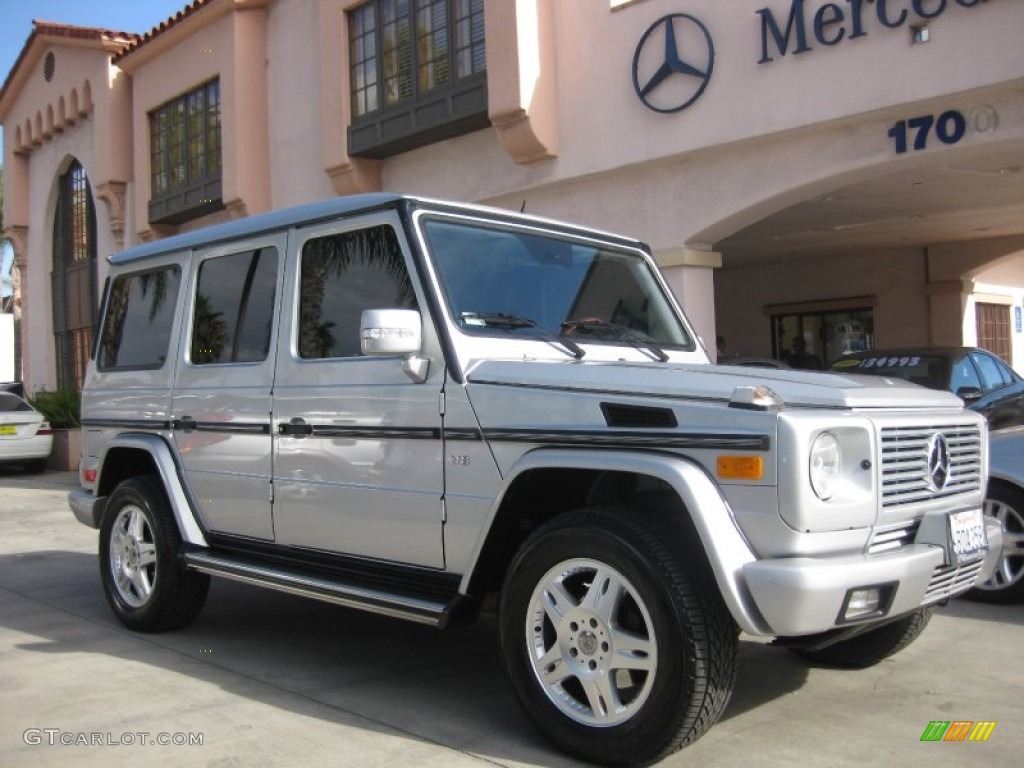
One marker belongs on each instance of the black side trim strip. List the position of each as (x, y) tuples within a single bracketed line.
[(127, 424), (236, 428), (632, 439), (602, 392), (377, 433), (462, 434)]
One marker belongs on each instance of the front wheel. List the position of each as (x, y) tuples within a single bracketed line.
[(615, 654), (869, 648), (1006, 584), (145, 583)]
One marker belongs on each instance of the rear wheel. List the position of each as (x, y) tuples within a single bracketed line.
[(1006, 584), (145, 583), (615, 654), (869, 648)]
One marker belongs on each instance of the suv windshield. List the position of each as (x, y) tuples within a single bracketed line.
[(499, 281)]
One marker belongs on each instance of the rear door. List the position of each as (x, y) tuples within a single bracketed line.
[(358, 468), (222, 400)]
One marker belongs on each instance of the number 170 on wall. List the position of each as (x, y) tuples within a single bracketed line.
[(949, 128)]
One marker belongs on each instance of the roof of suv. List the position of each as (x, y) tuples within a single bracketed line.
[(323, 210), (261, 222)]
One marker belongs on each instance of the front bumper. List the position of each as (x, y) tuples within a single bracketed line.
[(805, 595)]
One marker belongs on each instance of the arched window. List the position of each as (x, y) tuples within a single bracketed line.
[(74, 276)]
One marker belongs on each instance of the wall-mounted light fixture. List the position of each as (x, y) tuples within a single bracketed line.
[(920, 34)]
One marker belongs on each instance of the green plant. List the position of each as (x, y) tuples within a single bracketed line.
[(61, 407)]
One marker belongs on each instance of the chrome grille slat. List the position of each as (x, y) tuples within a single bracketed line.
[(905, 463), (950, 580), (890, 538)]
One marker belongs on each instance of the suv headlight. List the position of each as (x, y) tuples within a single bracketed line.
[(826, 464)]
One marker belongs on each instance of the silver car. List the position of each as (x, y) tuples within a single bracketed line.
[(1004, 501)]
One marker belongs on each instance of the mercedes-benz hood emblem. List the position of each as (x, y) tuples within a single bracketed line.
[(938, 462)]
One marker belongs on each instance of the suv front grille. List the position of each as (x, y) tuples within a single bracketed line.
[(905, 475)]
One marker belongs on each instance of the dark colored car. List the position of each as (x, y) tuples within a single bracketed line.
[(1004, 501), (984, 382)]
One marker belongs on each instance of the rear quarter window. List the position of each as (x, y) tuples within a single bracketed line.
[(138, 318), (10, 403)]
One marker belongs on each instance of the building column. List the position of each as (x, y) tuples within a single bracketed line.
[(690, 274)]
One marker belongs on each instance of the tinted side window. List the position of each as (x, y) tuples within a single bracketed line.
[(341, 275), (992, 374), (139, 314), (964, 375), (234, 307)]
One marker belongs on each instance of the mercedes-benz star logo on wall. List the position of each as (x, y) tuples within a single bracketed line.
[(673, 62), (938, 462)]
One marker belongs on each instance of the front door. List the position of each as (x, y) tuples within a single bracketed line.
[(358, 462), (222, 400)]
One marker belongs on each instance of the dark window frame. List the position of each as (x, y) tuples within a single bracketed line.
[(436, 74), (186, 157)]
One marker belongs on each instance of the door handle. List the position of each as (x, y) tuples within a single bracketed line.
[(185, 424), (297, 427)]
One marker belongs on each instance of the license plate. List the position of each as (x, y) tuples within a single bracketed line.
[(8, 429), (967, 537)]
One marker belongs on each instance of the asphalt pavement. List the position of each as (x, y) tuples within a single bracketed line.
[(265, 679)]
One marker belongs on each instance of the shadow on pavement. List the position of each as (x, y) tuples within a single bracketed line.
[(15, 477), (322, 661)]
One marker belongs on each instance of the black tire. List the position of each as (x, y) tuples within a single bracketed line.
[(663, 649), (35, 466), (1005, 503), (869, 648), (144, 580)]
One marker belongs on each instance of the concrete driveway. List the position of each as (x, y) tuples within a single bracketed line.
[(264, 679)]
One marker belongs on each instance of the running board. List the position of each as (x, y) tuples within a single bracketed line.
[(435, 613)]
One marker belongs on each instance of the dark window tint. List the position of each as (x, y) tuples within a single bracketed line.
[(137, 327), (74, 276), (993, 372), (418, 73), (235, 307), (185, 156), (10, 403), (341, 276), (964, 375)]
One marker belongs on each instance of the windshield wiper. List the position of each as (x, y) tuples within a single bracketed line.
[(510, 323), (601, 328)]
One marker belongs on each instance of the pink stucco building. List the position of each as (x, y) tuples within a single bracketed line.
[(848, 172)]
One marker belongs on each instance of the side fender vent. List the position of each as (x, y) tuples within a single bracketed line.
[(638, 416)]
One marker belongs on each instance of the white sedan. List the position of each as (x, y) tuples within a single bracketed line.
[(1004, 501), (25, 436)]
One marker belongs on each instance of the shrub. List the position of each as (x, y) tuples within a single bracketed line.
[(61, 407)]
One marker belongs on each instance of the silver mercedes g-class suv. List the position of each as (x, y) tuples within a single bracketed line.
[(406, 406)]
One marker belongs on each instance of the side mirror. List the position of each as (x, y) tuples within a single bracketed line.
[(390, 332), (969, 394)]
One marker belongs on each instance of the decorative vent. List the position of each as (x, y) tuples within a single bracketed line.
[(49, 66), (638, 416)]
